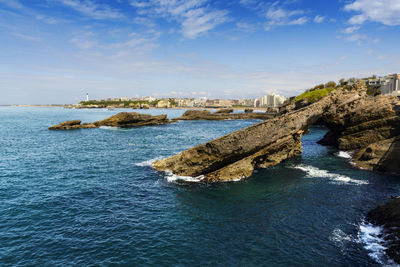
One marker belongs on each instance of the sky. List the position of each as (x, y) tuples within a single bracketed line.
[(56, 51)]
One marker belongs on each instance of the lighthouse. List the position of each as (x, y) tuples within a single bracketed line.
[(87, 97)]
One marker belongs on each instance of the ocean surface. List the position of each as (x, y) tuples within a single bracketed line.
[(90, 198)]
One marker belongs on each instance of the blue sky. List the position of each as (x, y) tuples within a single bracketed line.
[(54, 51)]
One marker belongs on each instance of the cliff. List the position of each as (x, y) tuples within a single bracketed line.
[(355, 120), (122, 119)]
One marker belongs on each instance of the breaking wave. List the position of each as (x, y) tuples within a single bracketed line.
[(313, 172), (148, 163), (372, 239), (343, 154)]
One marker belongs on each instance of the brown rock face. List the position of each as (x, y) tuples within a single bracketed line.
[(222, 115), (224, 110), (132, 119), (123, 119), (355, 120), (235, 155), (71, 125), (388, 216)]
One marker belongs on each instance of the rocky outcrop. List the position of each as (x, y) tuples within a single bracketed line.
[(355, 120), (370, 127), (222, 115), (224, 111), (388, 217), (123, 119), (71, 125), (235, 155)]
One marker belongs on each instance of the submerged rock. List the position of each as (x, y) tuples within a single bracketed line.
[(222, 115), (355, 121), (122, 119), (388, 216)]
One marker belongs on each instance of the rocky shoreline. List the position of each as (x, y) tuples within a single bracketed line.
[(366, 125), (387, 216), (223, 114), (122, 119)]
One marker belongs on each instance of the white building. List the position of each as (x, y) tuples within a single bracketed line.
[(272, 100), (390, 84)]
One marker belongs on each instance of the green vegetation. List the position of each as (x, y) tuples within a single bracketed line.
[(314, 95)]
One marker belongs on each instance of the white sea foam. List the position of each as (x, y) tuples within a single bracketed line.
[(372, 238), (343, 154), (176, 178), (313, 172), (338, 236), (110, 128), (148, 163)]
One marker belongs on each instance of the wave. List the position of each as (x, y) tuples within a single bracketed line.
[(343, 154), (314, 172), (110, 128), (169, 175), (372, 238), (176, 178), (148, 163)]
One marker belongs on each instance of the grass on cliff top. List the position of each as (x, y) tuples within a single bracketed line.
[(314, 95)]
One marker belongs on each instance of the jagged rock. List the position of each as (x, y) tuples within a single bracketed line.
[(132, 119), (248, 110), (71, 125), (388, 216), (122, 119), (233, 156), (355, 121), (207, 115), (224, 110)]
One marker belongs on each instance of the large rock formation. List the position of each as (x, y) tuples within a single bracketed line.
[(122, 119), (235, 155), (223, 114), (388, 217), (355, 120)]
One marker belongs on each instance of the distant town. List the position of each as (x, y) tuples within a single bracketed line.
[(268, 101), (388, 84)]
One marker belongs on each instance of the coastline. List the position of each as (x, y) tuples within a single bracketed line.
[(177, 108)]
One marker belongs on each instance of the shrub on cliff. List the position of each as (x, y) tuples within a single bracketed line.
[(314, 95)]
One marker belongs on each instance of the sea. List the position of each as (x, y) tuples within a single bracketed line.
[(90, 197)]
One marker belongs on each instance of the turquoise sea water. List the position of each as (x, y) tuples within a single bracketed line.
[(89, 198)]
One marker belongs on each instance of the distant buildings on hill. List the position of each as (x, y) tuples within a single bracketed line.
[(272, 101), (389, 84)]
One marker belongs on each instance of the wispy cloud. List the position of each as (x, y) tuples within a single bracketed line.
[(279, 16), (351, 29), (196, 17), (28, 37), (12, 3), (93, 9), (383, 11), (319, 19)]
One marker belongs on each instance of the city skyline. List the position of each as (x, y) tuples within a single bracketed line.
[(55, 51)]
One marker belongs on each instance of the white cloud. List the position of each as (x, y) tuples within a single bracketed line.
[(278, 16), (28, 37), (351, 29), (196, 17), (383, 11), (244, 26), (93, 9), (319, 19), (12, 3), (356, 37)]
